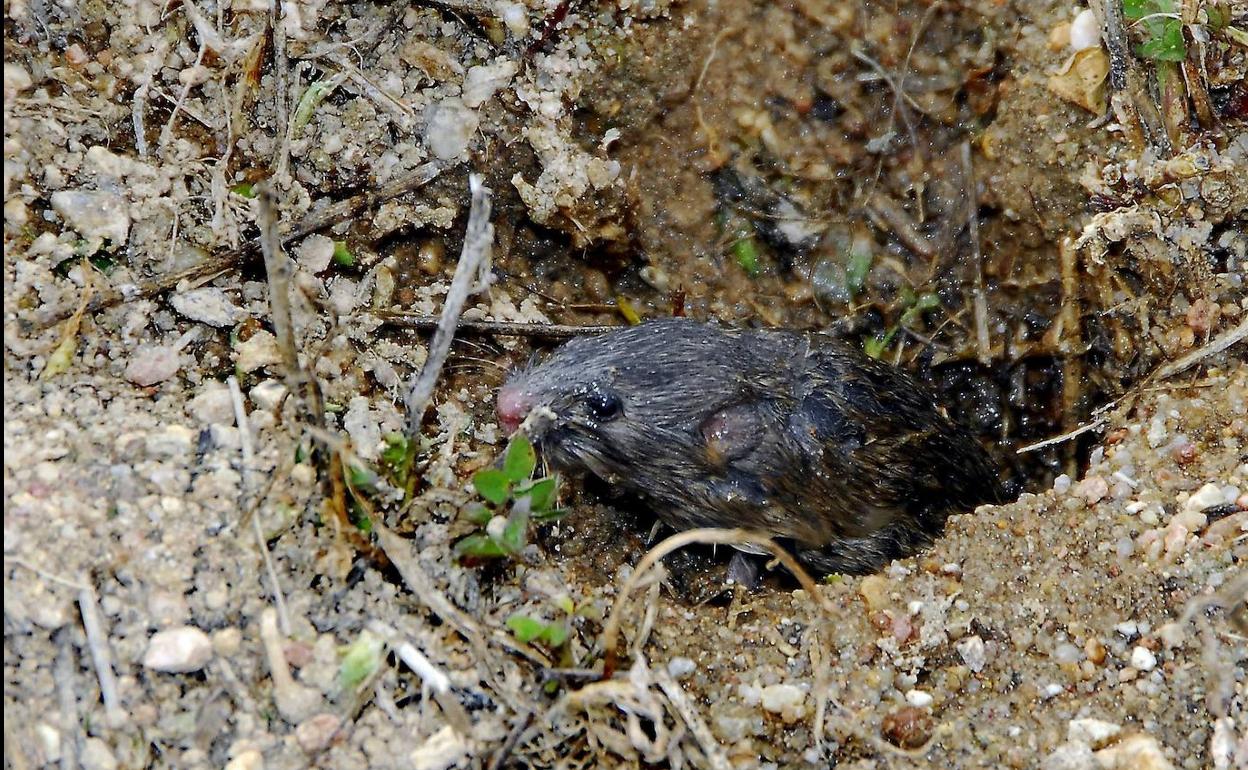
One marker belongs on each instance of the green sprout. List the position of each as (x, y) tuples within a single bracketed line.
[(245, 189), (359, 660), (745, 251), (1163, 30), (342, 255), (513, 500)]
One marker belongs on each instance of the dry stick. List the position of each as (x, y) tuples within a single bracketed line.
[(405, 320), (706, 536), (1070, 332), (676, 695), (101, 657), (475, 256), (332, 214), (513, 740), (244, 440), (65, 676), (280, 97), (972, 229)]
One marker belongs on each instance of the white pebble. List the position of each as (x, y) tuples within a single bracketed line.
[(94, 214), (208, 306), (450, 128), (151, 364), (787, 700), (178, 650), (251, 759), (96, 755), (1085, 31), (1206, 497), (485, 80), (1061, 484), (973, 653), (1051, 691), (679, 667), (268, 395), (919, 698), (315, 252), (1092, 732), (1143, 658)]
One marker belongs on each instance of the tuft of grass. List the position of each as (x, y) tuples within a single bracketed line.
[(513, 500)]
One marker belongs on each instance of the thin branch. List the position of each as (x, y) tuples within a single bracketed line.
[(977, 258), (244, 440), (473, 262), (421, 322), (101, 656)]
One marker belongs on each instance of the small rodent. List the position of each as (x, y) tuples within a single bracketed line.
[(846, 459)]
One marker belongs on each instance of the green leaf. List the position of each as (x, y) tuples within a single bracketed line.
[(514, 533), (396, 449), (856, 270), (309, 101), (564, 602), (478, 514), (745, 251), (478, 546), (524, 628), (1135, 10), (361, 478), (875, 346), (521, 460), (492, 484), (245, 189), (359, 660), (555, 634), (343, 255), (1165, 41), (541, 494), (549, 515)]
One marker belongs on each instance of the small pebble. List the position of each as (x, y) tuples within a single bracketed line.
[(1085, 31), (909, 727), (788, 701), (919, 698), (1143, 659), (1061, 484), (96, 755), (1093, 489), (1207, 496), (973, 653), (178, 650), (1091, 732), (315, 733), (151, 364), (251, 759), (679, 667)]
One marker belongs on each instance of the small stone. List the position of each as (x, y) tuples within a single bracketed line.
[(919, 698), (1085, 31), (49, 739), (167, 608), (450, 128), (268, 394), (1143, 658), (173, 442), (96, 755), (315, 252), (152, 364), (1093, 489), (973, 653), (207, 306), (444, 749), (226, 642), (1070, 756), (178, 650), (1202, 315), (909, 727), (874, 591), (212, 404), (315, 733), (95, 215), (251, 759), (485, 80), (1091, 732), (260, 349), (786, 700), (16, 80), (1061, 484), (679, 667), (1207, 496), (1135, 752)]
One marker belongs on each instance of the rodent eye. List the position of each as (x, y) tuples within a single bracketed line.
[(603, 405)]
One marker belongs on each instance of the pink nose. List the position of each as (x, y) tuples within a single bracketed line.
[(513, 407)]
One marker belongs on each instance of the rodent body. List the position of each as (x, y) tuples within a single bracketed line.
[(789, 433)]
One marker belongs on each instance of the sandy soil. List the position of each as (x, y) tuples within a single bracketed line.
[(179, 594)]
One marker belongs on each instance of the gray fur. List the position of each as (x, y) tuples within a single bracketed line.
[(790, 433)]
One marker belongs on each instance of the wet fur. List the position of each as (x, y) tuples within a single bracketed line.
[(798, 435)]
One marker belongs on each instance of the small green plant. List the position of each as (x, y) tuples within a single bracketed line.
[(916, 308), (342, 255), (1163, 29), (554, 635), (245, 189), (359, 660), (513, 500)]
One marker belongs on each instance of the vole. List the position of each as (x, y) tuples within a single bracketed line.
[(846, 459)]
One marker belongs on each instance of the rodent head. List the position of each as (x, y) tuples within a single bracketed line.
[(614, 401)]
